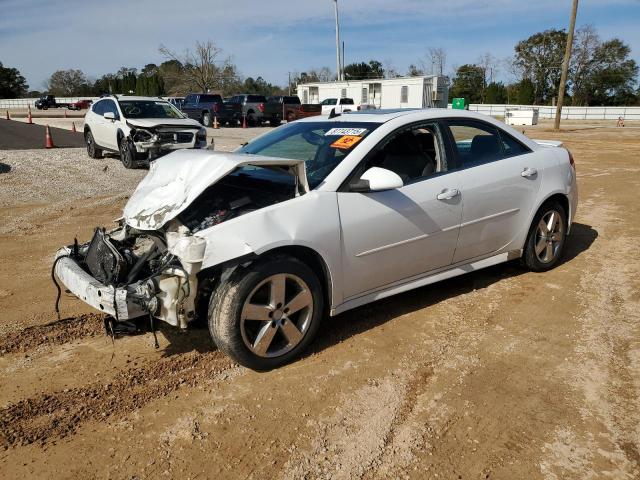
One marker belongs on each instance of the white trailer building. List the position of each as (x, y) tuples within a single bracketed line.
[(403, 92)]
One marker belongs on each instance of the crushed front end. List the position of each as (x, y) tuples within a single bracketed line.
[(161, 139), (128, 273)]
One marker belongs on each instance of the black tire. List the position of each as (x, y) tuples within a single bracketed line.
[(252, 120), (206, 119), (127, 153), (274, 122), (92, 149), (228, 300), (44, 107), (552, 241), (291, 117)]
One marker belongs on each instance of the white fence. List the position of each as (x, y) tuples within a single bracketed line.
[(568, 113), (14, 103)]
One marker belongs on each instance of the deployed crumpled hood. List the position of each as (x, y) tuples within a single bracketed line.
[(176, 180), (164, 122)]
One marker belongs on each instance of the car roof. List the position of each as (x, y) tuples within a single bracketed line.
[(411, 114)]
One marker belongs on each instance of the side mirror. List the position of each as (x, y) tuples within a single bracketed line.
[(377, 179), (109, 115)]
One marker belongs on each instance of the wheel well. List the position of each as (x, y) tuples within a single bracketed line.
[(561, 199), (119, 136), (314, 261), (86, 129)]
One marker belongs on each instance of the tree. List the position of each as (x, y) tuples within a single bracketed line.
[(468, 83), (584, 47), (12, 83), (495, 93), (68, 83), (436, 61), (540, 59), (260, 86), (414, 71), (202, 68), (363, 71), (523, 92), (613, 76)]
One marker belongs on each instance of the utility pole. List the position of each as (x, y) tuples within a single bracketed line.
[(338, 62), (565, 64)]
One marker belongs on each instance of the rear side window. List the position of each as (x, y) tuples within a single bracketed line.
[(475, 142), (190, 99), (256, 99), (292, 100), (512, 147), (346, 101)]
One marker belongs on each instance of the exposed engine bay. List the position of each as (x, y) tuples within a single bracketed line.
[(129, 272)]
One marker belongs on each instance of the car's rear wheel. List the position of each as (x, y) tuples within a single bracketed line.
[(127, 154), (92, 150), (547, 237), (291, 117), (252, 120), (274, 122), (266, 314)]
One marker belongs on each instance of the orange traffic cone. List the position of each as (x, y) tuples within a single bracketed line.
[(29, 118), (244, 121), (215, 122), (48, 141), (8, 118), (73, 127)]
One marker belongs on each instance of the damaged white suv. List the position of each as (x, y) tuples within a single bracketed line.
[(140, 129), (321, 216)]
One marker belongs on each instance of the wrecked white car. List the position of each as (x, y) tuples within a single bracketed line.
[(140, 129), (321, 216)]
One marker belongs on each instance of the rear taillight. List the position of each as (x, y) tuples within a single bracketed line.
[(261, 107), (571, 160)]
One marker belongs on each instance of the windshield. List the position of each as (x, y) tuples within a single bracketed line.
[(148, 109), (322, 145)]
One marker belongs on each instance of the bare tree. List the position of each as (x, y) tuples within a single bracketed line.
[(390, 70), (585, 44), (489, 64), (67, 83), (203, 68), (435, 61)]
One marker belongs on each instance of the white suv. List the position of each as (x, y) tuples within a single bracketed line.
[(140, 129)]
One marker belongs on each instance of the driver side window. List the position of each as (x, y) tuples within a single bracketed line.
[(415, 153)]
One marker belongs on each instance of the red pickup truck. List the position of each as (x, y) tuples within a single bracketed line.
[(291, 109)]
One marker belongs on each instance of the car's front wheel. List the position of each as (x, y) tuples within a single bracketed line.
[(127, 154), (206, 119), (92, 150), (267, 313), (547, 237)]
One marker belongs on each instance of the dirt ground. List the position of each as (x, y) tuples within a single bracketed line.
[(499, 374)]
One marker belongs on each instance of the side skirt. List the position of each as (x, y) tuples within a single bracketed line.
[(450, 272)]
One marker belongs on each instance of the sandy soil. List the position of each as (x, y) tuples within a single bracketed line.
[(498, 374)]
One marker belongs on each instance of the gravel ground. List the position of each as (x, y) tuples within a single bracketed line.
[(498, 374)]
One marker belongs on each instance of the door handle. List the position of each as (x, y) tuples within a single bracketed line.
[(448, 194), (529, 172)]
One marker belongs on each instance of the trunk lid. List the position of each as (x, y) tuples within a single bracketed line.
[(176, 180)]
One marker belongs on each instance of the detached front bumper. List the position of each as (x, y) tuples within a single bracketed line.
[(102, 297)]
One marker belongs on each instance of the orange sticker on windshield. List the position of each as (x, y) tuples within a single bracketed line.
[(346, 141)]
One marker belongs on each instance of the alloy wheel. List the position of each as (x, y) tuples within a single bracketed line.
[(549, 236), (276, 315)]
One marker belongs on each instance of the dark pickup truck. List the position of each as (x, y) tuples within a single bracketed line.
[(289, 108), (205, 106), (49, 101)]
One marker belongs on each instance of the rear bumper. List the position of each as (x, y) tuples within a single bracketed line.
[(103, 298)]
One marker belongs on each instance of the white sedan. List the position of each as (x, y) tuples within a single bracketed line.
[(321, 216)]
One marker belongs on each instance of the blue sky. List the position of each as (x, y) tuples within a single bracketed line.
[(271, 38)]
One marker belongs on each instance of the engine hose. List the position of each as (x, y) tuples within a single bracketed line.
[(55, 282)]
